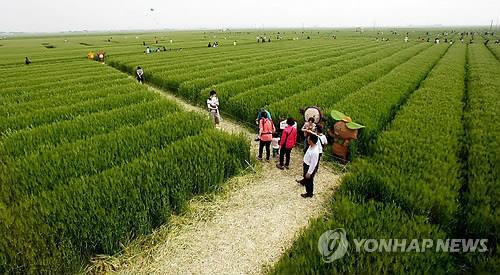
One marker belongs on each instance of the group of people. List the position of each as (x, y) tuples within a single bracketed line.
[(215, 45), (151, 50), (283, 141), (282, 145)]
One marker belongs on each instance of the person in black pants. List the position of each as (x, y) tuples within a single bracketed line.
[(311, 161), (139, 73), (287, 142), (266, 130)]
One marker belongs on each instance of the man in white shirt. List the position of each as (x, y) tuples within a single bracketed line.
[(311, 159), (213, 107)]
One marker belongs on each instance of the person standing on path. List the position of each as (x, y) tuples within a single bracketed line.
[(311, 159), (306, 129), (276, 144), (266, 130), (259, 117), (213, 107), (322, 140), (139, 73), (288, 139)]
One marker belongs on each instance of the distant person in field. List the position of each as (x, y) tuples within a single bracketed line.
[(209, 44), (266, 130), (27, 61), (287, 142), (213, 107), (139, 73), (311, 160)]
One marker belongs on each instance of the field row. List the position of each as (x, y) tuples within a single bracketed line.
[(85, 168), (410, 187)]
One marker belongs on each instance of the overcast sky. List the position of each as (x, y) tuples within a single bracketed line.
[(66, 15)]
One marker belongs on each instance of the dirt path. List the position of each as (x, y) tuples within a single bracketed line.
[(242, 231)]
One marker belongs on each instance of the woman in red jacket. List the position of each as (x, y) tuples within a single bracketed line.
[(266, 130), (288, 139)]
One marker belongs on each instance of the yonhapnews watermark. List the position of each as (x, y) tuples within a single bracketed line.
[(333, 245)]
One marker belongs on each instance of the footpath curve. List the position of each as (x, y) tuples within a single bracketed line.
[(243, 231)]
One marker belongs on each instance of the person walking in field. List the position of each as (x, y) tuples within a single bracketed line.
[(27, 61), (311, 160), (287, 142), (139, 73), (213, 107), (266, 130)]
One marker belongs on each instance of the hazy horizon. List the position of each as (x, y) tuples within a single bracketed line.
[(33, 16)]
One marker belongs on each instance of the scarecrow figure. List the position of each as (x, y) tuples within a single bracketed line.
[(343, 131)]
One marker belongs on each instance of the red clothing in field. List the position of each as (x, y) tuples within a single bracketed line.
[(290, 136), (266, 129)]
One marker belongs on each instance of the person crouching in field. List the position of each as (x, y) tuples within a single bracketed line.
[(266, 130), (287, 142), (311, 160), (139, 73), (213, 107)]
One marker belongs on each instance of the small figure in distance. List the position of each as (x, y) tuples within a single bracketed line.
[(213, 107), (144, 43), (140, 75), (27, 61), (209, 44), (164, 49), (234, 43)]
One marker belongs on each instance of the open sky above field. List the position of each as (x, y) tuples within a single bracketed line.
[(62, 15)]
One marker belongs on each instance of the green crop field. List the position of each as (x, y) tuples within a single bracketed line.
[(90, 159)]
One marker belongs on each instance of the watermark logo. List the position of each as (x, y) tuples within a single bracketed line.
[(333, 245)]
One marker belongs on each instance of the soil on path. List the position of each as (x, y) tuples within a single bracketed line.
[(245, 230)]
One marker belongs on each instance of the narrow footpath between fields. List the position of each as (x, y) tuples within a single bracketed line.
[(242, 231)]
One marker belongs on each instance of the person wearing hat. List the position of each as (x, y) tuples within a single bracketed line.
[(342, 136)]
